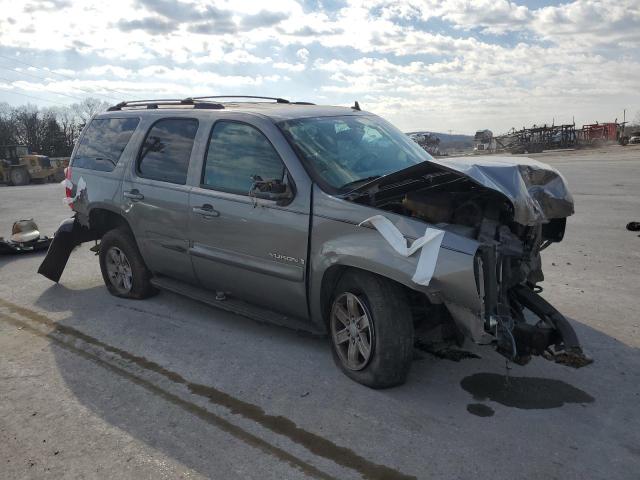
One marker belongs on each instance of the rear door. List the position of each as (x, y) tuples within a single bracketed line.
[(255, 249), (156, 196)]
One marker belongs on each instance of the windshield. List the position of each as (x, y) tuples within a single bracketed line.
[(348, 151)]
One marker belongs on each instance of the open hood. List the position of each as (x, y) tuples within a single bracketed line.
[(537, 191)]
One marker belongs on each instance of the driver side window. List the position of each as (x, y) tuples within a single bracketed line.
[(239, 153)]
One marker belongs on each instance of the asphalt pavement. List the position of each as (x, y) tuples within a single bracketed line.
[(93, 386)]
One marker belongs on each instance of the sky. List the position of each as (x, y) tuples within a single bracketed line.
[(448, 65)]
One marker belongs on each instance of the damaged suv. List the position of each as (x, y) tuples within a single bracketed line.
[(323, 217)]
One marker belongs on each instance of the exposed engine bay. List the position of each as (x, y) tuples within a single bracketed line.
[(514, 211)]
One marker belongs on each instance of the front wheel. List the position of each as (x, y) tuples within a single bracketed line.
[(122, 266), (371, 330)]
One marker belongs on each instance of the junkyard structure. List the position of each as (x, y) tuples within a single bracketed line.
[(484, 141), (547, 137)]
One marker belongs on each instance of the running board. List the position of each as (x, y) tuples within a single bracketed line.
[(234, 305)]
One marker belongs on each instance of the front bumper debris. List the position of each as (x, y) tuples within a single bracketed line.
[(10, 247), (522, 322)]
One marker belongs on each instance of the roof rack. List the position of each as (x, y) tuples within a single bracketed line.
[(153, 104), (196, 102), (277, 99)]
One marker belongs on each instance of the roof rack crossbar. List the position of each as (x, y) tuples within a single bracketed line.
[(152, 104), (277, 99)]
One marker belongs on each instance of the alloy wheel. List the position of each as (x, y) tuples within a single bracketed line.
[(352, 331), (119, 270)]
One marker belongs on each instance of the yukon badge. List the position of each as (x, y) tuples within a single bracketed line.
[(285, 258)]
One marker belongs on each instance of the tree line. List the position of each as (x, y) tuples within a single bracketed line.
[(47, 131)]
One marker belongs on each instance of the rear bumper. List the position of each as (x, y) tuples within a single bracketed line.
[(69, 235)]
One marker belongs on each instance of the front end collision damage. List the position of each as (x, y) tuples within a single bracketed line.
[(513, 211), (521, 321)]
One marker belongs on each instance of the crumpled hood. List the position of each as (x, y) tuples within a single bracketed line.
[(537, 191)]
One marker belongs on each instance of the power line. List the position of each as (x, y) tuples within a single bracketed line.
[(111, 99), (34, 97), (55, 73), (54, 93)]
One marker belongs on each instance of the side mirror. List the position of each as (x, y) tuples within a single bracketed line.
[(274, 190)]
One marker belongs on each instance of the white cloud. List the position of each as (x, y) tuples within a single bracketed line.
[(292, 67), (303, 55), (491, 63)]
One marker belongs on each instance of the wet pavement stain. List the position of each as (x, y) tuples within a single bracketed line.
[(523, 392), (316, 444), (480, 410)]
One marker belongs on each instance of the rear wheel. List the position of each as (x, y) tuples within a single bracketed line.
[(19, 176), (371, 330), (122, 266)]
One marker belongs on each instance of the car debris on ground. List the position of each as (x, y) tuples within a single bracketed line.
[(25, 237)]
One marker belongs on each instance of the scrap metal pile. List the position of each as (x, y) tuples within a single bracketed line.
[(539, 138), (427, 140)]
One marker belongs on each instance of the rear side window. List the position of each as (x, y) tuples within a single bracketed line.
[(237, 154), (166, 150), (103, 143)]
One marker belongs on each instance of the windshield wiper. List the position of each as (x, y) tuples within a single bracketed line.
[(350, 185)]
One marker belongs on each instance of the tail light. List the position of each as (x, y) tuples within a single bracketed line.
[(68, 186)]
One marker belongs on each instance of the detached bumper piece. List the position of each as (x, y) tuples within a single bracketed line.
[(69, 235), (11, 247)]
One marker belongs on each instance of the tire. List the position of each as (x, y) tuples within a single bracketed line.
[(123, 269), (19, 176), (388, 330)]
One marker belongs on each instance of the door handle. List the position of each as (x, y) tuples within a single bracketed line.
[(134, 195), (206, 211)]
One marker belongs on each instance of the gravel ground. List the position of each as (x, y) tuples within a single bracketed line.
[(93, 386)]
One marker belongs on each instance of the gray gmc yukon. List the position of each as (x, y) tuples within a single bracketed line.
[(325, 217)]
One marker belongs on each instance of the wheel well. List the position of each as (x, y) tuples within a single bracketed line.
[(102, 220), (329, 281), (417, 300)]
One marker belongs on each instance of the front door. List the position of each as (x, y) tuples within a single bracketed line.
[(252, 248), (156, 197)]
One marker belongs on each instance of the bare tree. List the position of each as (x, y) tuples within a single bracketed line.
[(6, 125), (69, 126), (52, 131), (28, 126), (87, 108)]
